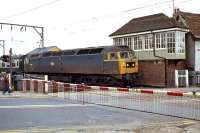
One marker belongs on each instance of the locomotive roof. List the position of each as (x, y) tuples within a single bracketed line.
[(104, 48), (89, 50), (45, 49)]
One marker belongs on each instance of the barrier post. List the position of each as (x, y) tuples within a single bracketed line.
[(55, 88), (46, 84), (24, 85), (83, 88), (176, 78), (186, 78), (66, 90), (43, 87), (35, 82)]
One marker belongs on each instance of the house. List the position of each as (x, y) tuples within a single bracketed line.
[(192, 22), (162, 45)]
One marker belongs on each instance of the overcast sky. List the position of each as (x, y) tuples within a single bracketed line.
[(76, 23)]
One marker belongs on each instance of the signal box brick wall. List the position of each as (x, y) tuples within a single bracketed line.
[(152, 72)]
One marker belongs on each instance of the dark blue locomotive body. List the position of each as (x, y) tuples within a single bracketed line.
[(90, 65)]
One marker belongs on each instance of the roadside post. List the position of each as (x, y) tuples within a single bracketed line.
[(46, 84)]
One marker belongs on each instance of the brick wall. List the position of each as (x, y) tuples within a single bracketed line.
[(152, 73)]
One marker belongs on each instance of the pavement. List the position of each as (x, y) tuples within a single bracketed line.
[(185, 89), (29, 112), (19, 94)]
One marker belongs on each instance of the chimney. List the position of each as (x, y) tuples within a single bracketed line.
[(176, 12)]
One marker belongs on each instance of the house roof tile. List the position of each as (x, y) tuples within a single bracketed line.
[(192, 21), (148, 23)]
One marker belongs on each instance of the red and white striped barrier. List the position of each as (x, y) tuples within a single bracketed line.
[(33, 85), (39, 86)]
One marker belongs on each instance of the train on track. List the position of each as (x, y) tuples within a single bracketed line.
[(105, 65)]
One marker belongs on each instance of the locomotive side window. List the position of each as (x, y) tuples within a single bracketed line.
[(112, 56), (46, 54), (84, 51), (70, 52), (96, 51), (35, 56)]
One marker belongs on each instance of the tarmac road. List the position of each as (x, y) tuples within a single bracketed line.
[(47, 114)]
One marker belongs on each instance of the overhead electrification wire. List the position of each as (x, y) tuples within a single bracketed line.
[(124, 11), (93, 18), (30, 10)]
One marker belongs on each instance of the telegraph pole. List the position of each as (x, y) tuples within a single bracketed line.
[(173, 5), (10, 61), (3, 46), (10, 57)]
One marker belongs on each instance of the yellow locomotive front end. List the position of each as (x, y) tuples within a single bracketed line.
[(128, 64), (122, 64)]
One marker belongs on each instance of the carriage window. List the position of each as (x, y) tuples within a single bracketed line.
[(124, 55), (112, 56)]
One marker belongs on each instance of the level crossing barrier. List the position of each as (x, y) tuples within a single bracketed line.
[(163, 102), (33, 86)]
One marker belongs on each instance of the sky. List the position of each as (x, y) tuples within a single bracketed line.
[(72, 24)]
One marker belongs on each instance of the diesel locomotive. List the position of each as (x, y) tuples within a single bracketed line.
[(105, 65)]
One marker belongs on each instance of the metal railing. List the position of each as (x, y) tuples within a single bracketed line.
[(171, 104), (198, 79)]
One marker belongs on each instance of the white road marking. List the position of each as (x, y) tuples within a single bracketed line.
[(42, 106)]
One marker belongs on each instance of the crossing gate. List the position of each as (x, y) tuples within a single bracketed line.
[(170, 103), (33, 86)]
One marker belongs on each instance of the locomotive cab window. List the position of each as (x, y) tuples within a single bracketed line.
[(132, 54), (112, 56), (124, 55)]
